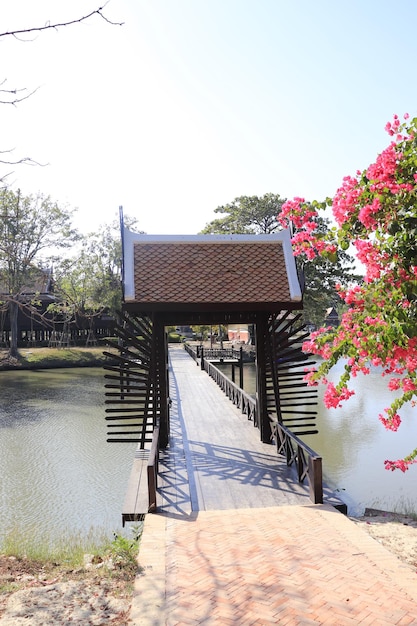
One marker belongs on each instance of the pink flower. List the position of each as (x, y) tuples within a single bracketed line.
[(401, 464), (333, 397), (408, 385), (394, 384), (392, 422)]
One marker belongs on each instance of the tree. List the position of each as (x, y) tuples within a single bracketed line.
[(322, 275), (29, 225), (89, 283), (248, 215), (254, 215), (14, 96), (376, 213)]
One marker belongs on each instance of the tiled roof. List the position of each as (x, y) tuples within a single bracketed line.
[(41, 283), (199, 272)]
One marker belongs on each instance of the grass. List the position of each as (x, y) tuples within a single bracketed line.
[(114, 560), (71, 547), (69, 550), (38, 358)]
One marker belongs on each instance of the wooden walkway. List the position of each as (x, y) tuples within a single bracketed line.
[(215, 460), (272, 557)]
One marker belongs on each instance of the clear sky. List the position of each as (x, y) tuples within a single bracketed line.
[(192, 103)]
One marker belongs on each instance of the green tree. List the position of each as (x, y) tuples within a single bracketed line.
[(89, 282), (321, 276), (260, 215), (248, 215), (29, 227)]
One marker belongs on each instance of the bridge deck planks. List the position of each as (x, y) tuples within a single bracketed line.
[(215, 459), (136, 499)]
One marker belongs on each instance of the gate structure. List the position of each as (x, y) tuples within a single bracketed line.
[(206, 279)]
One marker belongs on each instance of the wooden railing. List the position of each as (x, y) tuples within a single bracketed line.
[(307, 462), (196, 352), (190, 350), (245, 402), (219, 353), (152, 470), (141, 490)]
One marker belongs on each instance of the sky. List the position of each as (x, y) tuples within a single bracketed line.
[(192, 103)]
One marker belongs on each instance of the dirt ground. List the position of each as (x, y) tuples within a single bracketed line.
[(33, 593), (398, 533)]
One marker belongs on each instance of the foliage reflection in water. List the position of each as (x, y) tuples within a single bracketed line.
[(58, 472)]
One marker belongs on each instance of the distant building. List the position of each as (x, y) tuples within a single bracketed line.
[(238, 333), (37, 326), (185, 331), (331, 317)]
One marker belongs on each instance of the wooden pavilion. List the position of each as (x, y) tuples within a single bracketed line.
[(204, 279)]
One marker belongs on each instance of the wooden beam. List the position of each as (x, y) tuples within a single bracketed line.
[(261, 392)]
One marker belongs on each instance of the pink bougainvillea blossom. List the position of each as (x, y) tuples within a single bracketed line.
[(392, 422), (400, 464), (375, 212)]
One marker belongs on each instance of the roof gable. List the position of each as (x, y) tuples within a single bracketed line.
[(189, 271)]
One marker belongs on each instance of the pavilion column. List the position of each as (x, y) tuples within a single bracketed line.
[(161, 381), (261, 394)]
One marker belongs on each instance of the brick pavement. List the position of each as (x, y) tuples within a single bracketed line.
[(294, 565)]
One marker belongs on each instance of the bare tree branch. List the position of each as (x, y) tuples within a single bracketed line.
[(20, 161), (13, 94), (49, 26)]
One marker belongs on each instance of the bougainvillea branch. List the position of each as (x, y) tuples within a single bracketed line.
[(375, 213)]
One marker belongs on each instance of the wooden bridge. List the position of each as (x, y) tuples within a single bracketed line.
[(215, 459), (170, 280)]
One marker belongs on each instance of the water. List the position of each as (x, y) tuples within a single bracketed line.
[(354, 445), (58, 472)]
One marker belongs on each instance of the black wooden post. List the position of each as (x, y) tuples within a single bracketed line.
[(261, 398), (202, 358), (241, 368), (161, 380)]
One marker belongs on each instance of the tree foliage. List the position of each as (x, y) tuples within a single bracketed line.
[(29, 227), (322, 275), (252, 215), (260, 215), (376, 213), (89, 282)]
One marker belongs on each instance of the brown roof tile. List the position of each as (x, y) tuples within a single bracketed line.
[(210, 272)]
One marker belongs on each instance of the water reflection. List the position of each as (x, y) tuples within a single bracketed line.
[(354, 445), (58, 472)]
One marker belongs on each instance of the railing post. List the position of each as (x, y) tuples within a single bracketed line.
[(241, 368), (315, 479), (202, 358)]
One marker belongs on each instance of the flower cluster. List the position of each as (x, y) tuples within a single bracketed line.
[(400, 464), (375, 212)]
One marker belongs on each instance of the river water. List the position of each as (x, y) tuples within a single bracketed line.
[(58, 473), (354, 445)]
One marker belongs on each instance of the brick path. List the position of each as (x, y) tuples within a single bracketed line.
[(282, 565), (289, 562)]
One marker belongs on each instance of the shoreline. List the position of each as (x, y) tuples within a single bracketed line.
[(53, 358), (397, 532)]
